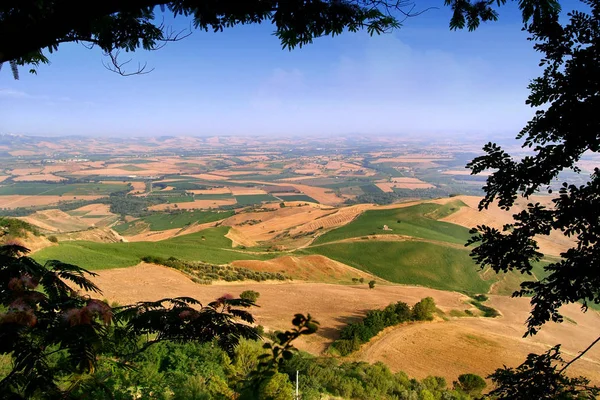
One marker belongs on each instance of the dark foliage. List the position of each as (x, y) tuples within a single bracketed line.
[(559, 134), (564, 128), (205, 273), (356, 333), (43, 318), (16, 228), (470, 384), (540, 377)]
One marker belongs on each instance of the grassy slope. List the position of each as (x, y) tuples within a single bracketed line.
[(414, 221), (415, 263), (163, 221), (57, 189), (250, 199), (215, 248)]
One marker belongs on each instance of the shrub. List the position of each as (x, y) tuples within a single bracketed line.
[(355, 333), (371, 284), (470, 384), (53, 239), (250, 295), (423, 310)]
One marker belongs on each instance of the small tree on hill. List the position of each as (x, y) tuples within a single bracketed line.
[(471, 384), (372, 284), (424, 310), (250, 295)]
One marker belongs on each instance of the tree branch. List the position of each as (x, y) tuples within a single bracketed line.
[(579, 356)]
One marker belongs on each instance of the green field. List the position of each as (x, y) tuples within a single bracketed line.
[(410, 262), (59, 189), (131, 168), (215, 249), (250, 199), (418, 221), (298, 197), (179, 219)]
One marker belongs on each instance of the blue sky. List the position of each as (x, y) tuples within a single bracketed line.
[(420, 79)]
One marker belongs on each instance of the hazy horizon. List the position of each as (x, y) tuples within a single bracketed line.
[(421, 79)]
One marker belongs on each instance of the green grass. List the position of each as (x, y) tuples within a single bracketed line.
[(250, 199), (414, 221), (179, 199), (58, 189), (298, 197), (414, 263), (164, 221), (215, 248), (131, 168), (219, 196)]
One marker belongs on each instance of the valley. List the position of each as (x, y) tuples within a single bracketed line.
[(307, 224)]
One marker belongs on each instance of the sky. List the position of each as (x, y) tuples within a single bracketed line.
[(418, 80)]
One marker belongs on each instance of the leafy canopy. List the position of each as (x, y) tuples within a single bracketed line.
[(28, 28), (564, 128), (42, 316)]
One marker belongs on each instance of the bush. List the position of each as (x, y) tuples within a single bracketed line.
[(53, 239), (371, 284), (250, 295), (470, 384), (488, 312), (356, 333), (423, 310)]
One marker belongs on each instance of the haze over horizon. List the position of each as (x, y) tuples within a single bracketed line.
[(422, 78)]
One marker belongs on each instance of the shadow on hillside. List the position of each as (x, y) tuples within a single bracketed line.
[(333, 332)]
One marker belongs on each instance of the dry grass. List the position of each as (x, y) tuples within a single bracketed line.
[(480, 345), (57, 221), (38, 177), (14, 201), (237, 191), (195, 205), (138, 187), (314, 268), (469, 217)]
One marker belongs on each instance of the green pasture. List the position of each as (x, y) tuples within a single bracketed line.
[(59, 189), (410, 262), (298, 197), (251, 199), (209, 245), (418, 221)]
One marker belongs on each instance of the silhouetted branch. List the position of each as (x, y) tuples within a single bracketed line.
[(117, 67), (580, 355)]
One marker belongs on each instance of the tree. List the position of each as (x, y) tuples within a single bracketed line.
[(115, 26), (43, 320), (473, 385), (564, 128), (424, 309), (250, 295), (540, 378), (372, 284)]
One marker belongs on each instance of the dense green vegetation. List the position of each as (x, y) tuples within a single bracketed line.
[(417, 221), (356, 333), (409, 262), (205, 273), (184, 371), (297, 197), (175, 219), (209, 245), (59, 189), (16, 228), (251, 199)]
